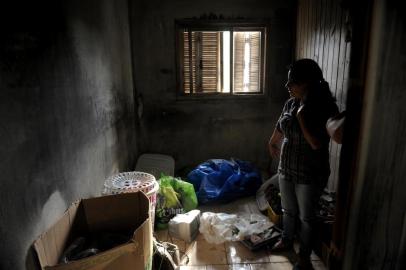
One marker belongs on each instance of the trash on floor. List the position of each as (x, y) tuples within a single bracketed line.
[(175, 197), (262, 192), (224, 180), (326, 211), (185, 226), (221, 227), (269, 200), (266, 238), (166, 256)]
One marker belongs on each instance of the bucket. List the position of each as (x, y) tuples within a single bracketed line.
[(152, 197), (129, 182), (132, 182)]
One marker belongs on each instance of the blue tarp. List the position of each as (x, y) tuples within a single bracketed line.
[(224, 180)]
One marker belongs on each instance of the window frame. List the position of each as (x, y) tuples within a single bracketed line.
[(220, 25)]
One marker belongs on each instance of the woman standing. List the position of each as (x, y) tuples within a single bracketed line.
[(304, 155)]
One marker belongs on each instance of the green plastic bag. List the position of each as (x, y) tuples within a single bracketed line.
[(174, 197)]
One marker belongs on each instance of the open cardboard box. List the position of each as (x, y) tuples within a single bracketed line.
[(113, 213)]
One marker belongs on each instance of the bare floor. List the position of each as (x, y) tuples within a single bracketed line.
[(200, 255)]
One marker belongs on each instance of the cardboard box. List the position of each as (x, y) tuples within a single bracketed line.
[(114, 213)]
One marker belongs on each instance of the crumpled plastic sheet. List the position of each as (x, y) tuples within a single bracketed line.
[(218, 228)]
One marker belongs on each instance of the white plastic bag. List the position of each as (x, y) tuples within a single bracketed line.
[(218, 228)]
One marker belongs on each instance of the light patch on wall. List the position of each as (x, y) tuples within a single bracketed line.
[(52, 210), (91, 48)]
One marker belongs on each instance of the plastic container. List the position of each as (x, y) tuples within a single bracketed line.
[(275, 218), (152, 197), (132, 182)]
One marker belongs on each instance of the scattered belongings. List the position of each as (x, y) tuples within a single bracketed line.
[(224, 180), (269, 199), (262, 195), (185, 226), (266, 238), (174, 197), (221, 227), (166, 256), (326, 211)]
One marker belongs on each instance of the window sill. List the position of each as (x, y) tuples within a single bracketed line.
[(219, 96)]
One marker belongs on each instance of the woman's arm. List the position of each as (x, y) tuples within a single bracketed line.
[(275, 142), (314, 142)]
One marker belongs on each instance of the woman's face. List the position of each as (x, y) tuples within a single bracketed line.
[(295, 89)]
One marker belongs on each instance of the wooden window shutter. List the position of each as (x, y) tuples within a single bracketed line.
[(247, 61), (201, 62), (187, 63), (210, 60), (238, 69)]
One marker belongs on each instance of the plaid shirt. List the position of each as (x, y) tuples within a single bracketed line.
[(298, 161)]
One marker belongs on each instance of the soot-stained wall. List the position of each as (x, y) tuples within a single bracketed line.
[(66, 110), (193, 131)]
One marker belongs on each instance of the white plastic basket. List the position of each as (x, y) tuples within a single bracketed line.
[(152, 197), (132, 182), (129, 182)]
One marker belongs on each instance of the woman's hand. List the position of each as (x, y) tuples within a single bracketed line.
[(310, 138)]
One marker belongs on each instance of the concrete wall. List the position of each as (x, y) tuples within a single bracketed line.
[(193, 131), (66, 110)]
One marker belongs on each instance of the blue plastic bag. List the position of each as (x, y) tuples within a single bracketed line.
[(224, 180)]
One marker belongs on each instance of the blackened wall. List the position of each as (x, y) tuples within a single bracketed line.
[(66, 111), (195, 130)]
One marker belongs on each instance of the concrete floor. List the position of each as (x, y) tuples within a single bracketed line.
[(201, 255)]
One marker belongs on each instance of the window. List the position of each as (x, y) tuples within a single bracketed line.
[(220, 58)]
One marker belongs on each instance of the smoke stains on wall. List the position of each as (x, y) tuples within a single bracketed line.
[(66, 109)]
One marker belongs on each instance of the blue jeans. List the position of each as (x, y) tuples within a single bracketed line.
[(299, 200)]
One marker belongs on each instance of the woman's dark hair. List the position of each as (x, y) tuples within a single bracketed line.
[(308, 71)]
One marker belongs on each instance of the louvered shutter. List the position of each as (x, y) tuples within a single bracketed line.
[(210, 59), (247, 61), (186, 63), (238, 59), (201, 56)]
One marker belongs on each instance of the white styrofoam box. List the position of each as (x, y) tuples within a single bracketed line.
[(156, 164), (185, 226)]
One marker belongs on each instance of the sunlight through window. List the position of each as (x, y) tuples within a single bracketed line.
[(226, 61), (247, 55)]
